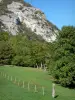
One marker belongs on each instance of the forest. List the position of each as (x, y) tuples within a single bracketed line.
[(57, 57)]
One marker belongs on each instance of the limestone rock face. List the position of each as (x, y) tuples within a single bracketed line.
[(0, 0), (29, 16)]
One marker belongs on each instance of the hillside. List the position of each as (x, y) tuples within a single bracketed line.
[(11, 90), (28, 17)]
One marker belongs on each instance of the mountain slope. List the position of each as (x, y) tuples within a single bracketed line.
[(16, 16)]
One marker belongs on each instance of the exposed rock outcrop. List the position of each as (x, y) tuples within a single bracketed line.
[(29, 16)]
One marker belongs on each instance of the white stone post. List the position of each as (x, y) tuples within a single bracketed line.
[(53, 90), (41, 65), (11, 78), (43, 91), (35, 89), (28, 86)]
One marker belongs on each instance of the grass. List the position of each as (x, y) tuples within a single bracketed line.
[(11, 91)]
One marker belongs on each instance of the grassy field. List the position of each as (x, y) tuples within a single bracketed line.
[(13, 90)]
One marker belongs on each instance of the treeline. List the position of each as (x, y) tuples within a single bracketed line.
[(21, 51), (58, 56)]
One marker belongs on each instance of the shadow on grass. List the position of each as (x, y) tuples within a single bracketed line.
[(56, 96)]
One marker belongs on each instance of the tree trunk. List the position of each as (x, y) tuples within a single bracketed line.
[(41, 65)]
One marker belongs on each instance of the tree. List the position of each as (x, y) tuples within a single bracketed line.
[(6, 53), (21, 47), (29, 52), (4, 36), (40, 53), (63, 68)]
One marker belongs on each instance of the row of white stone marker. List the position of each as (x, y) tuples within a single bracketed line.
[(23, 85)]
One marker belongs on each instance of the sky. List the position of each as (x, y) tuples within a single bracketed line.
[(59, 12)]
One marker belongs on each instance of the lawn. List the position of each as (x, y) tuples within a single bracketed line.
[(14, 90)]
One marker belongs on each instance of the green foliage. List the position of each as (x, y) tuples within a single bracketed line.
[(3, 5), (51, 25), (58, 57), (39, 12), (6, 51), (64, 57), (4, 36), (28, 52)]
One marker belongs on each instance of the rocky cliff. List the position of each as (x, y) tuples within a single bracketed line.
[(16, 16)]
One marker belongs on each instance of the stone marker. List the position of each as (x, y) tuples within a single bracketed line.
[(53, 90)]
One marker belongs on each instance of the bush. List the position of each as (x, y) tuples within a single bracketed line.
[(64, 57)]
